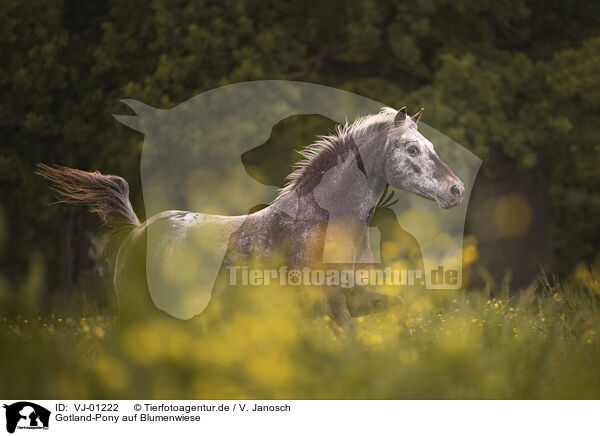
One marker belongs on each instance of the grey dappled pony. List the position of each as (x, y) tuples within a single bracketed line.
[(319, 220)]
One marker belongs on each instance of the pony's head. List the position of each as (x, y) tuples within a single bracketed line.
[(411, 164)]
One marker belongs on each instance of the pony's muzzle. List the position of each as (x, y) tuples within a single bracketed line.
[(455, 191), (454, 194)]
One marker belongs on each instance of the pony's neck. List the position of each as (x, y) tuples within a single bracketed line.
[(353, 189), (346, 180)]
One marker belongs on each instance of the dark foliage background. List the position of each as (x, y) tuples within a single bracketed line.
[(515, 81)]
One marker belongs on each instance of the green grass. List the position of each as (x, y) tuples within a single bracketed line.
[(541, 343)]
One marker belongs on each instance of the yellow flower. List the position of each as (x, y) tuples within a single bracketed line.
[(589, 337)]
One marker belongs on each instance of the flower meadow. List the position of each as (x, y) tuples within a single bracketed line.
[(538, 343)]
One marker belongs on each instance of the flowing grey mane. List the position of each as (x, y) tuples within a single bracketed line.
[(322, 154)]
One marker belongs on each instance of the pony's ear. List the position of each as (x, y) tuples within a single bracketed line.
[(400, 116), (416, 117)]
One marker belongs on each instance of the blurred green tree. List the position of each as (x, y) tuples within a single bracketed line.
[(515, 81)]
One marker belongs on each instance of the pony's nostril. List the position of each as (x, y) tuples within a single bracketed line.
[(455, 191)]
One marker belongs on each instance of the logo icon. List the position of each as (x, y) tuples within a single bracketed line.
[(26, 415)]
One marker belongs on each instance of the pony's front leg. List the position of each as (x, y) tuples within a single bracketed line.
[(336, 299), (361, 300)]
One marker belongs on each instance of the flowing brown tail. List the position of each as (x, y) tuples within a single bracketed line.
[(105, 195)]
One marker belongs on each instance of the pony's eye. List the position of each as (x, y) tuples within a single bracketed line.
[(412, 150)]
